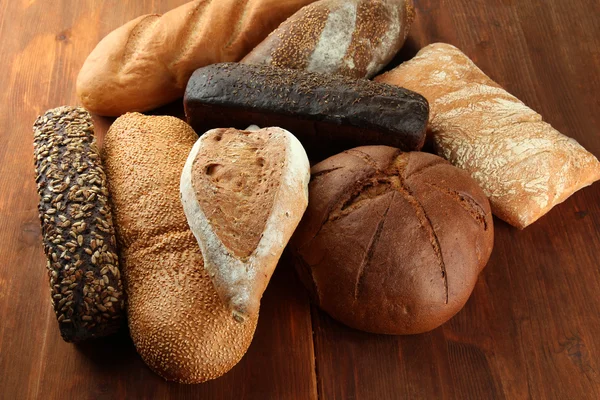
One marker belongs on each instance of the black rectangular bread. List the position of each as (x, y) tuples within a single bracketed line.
[(327, 113)]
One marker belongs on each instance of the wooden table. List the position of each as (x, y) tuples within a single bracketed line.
[(530, 330)]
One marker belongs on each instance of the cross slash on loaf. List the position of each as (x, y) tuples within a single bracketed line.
[(392, 242), (244, 193)]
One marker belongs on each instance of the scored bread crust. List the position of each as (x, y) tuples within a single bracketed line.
[(356, 38), (239, 279), (177, 322), (522, 163), (392, 242), (146, 62)]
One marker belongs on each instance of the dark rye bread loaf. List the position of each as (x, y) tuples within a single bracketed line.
[(77, 226), (327, 113), (392, 242)]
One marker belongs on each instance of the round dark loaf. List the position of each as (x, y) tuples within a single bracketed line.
[(77, 226), (392, 242), (327, 113)]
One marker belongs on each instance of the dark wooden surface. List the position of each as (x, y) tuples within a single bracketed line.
[(530, 330)]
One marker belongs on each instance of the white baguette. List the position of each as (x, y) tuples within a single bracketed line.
[(147, 62)]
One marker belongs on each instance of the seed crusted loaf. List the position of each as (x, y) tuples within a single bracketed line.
[(77, 226), (147, 62), (327, 113), (356, 38), (523, 164), (244, 193), (180, 327)]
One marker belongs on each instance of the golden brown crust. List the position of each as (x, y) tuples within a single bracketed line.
[(524, 166), (146, 62), (178, 324), (392, 242)]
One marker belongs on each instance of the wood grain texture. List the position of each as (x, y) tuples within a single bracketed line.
[(43, 50), (530, 330)]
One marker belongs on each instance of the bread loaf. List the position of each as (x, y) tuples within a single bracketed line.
[(524, 166), (77, 226), (327, 113), (244, 193), (146, 62), (177, 322), (392, 242), (356, 38)]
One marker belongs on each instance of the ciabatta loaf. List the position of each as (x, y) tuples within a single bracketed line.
[(178, 324), (524, 166), (356, 38), (244, 193), (146, 62)]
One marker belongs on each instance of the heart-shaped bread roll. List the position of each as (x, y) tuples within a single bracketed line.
[(244, 193)]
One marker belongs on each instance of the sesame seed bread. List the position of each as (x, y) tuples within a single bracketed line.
[(244, 193), (523, 164), (77, 226), (327, 113), (180, 327), (146, 62), (356, 38), (392, 242)]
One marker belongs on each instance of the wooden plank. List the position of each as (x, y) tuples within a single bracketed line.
[(42, 49), (530, 329)]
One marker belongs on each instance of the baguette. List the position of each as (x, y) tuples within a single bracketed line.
[(146, 62), (327, 113), (178, 324), (524, 166), (244, 193), (77, 226), (356, 38)]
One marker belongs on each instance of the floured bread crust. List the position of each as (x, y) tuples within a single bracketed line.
[(244, 193), (356, 38), (524, 166), (236, 177)]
